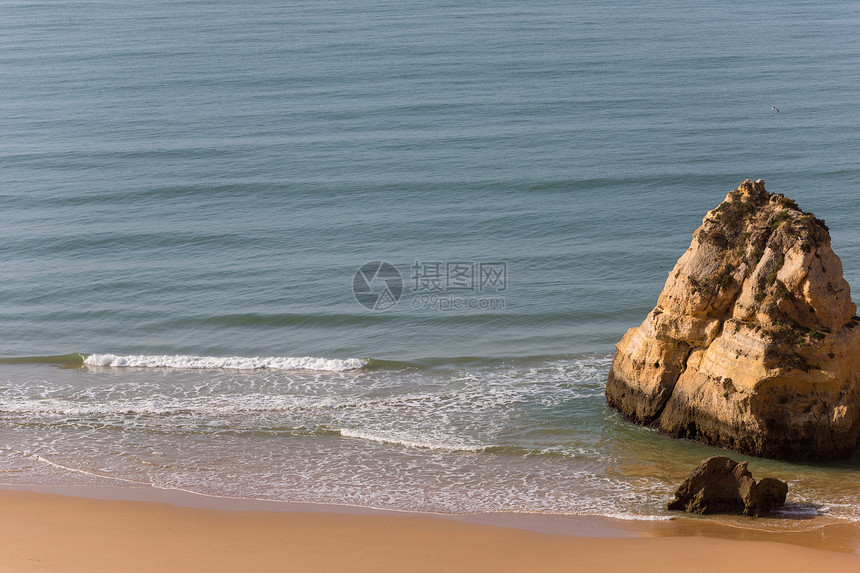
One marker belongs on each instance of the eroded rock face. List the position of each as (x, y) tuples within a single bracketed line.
[(721, 485), (754, 344)]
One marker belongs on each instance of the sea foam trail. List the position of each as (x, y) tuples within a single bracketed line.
[(226, 362), (403, 440)]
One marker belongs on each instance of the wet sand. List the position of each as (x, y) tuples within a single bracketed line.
[(150, 530)]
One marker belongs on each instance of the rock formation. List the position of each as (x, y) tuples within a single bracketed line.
[(721, 485), (754, 344)]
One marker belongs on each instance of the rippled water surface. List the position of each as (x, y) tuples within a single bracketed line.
[(191, 192)]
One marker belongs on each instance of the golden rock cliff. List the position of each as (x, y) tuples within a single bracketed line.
[(754, 344)]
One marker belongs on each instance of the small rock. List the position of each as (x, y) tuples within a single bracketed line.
[(771, 494), (722, 485)]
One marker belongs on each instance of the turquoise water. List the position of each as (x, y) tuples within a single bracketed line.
[(190, 188)]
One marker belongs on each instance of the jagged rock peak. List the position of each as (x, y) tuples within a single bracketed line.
[(752, 344)]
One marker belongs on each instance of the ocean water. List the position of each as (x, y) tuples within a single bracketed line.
[(378, 253)]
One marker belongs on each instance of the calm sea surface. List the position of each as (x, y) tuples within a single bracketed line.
[(378, 253)]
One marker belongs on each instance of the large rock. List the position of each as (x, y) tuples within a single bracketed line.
[(753, 344), (721, 485)]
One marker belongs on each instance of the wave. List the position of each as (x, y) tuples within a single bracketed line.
[(401, 439), (76, 360), (225, 363), (62, 360)]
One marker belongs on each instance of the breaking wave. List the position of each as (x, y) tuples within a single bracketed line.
[(225, 363)]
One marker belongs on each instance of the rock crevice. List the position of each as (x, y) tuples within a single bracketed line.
[(753, 344)]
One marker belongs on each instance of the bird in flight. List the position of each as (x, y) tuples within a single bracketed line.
[(776, 109)]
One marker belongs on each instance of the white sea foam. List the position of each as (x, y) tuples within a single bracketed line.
[(225, 362), (464, 439), (402, 439)]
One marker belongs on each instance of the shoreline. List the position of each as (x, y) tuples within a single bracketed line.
[(94, 528)]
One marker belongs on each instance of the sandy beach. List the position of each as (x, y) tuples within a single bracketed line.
[(48, 532)]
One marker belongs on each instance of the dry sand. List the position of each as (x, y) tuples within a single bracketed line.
[(45, 532)]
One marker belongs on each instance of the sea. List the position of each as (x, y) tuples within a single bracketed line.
[(378, 253)]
